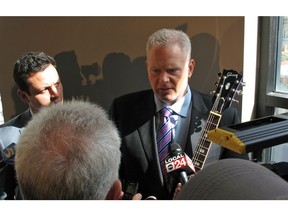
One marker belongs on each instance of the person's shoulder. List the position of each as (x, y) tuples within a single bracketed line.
[(201, 99), (10, 122), (18, 121), (135, 96), (204, 96), (10, 130)]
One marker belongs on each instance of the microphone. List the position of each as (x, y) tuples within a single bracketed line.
[(178, 164), (8, 139)]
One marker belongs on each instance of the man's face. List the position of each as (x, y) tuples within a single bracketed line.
[(45, 88), (169, 70)]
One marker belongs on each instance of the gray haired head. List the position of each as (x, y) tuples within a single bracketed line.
[(168, 37), (68, 151)]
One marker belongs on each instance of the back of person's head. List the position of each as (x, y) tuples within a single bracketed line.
[(167, 37), (68, 151), (28, 64), (234, 179)]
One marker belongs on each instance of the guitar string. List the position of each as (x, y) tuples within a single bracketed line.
[(204, 132)]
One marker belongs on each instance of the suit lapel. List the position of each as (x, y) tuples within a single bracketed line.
[(145, 115), (22, 119), (149, 143), (147, 140), (199, 113)]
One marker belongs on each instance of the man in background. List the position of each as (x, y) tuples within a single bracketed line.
[(39, 85)]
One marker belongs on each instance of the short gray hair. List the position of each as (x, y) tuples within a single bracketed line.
[(68, 151), (166, 37)]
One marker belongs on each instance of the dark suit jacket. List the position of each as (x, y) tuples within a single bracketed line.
[(134, 116), (9, 134)]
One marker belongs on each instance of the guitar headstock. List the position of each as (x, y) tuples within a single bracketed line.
[(227, 86)]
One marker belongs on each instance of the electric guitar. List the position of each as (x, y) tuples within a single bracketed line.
[(227, 87)]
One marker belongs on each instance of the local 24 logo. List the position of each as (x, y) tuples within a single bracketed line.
[(176, 162)]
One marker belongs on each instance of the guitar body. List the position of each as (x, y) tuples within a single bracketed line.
[(227, 87)]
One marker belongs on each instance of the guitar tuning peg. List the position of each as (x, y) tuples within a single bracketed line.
[(243, 83), (239, 92), (236, 101), (216, 83), (212, 93)]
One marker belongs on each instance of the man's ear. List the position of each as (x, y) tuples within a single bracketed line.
[(191, 67), (23, 96), (115, 192)]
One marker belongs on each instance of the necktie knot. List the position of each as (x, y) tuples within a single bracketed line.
[(166, 112)]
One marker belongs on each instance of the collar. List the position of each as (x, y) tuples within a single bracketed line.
[(181, 107)]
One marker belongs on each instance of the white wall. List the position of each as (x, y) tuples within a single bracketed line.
[(249, 67), (1, 111)]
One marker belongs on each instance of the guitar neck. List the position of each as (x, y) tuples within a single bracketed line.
[(203, 146), (224, 94)]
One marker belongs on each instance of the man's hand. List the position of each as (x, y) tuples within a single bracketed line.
[(177, 190), (137, 196)]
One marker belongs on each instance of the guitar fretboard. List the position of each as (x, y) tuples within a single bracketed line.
[(204, 145), (224, 94)]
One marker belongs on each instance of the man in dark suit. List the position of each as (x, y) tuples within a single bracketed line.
[(137, 117), (39, 86)]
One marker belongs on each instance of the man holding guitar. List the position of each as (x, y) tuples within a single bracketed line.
[(138, 116)]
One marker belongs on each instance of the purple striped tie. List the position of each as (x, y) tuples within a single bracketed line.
[(164, 137)]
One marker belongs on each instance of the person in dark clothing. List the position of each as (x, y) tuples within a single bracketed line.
[(137, 115)]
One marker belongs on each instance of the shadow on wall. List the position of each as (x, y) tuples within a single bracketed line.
[(69, 71), (206, 53), (120, 75)]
